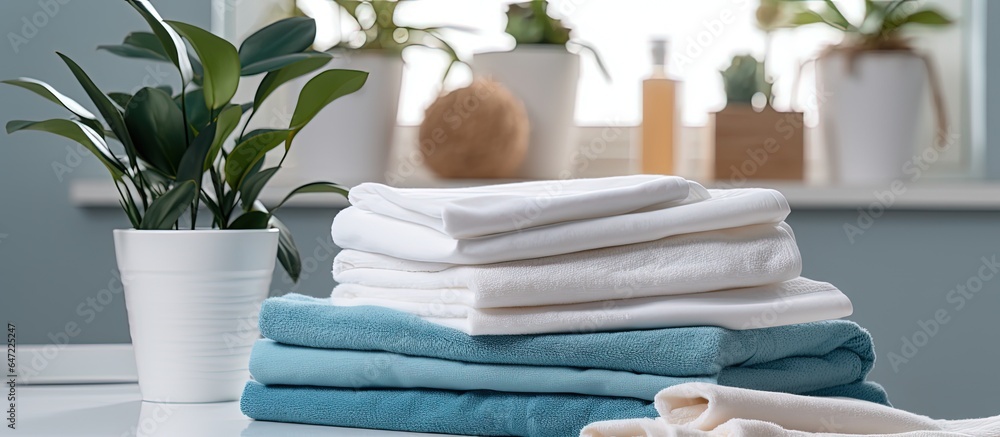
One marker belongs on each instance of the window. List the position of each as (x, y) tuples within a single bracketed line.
[(704, 36)]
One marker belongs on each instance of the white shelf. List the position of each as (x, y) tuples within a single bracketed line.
[(956, 196), (100, 193)]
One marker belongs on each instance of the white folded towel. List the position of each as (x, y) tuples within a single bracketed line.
[(477, 211), (691, 263), (355, 228), (701, 409), (796, 301)]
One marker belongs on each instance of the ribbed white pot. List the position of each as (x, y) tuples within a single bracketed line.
[(545, 78), (350, 140), (870, 113), (193, 299)]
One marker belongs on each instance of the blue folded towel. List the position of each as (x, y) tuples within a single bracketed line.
[(795, 358), (273, 363), (482, 413)]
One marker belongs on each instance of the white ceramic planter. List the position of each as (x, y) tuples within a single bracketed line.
[(545, 78), (193, 299), (350, 140), (869, 113)]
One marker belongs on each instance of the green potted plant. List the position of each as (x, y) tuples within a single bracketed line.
[(192, 293), (372, 41), (871, 86), (752, 140), (542, 72)]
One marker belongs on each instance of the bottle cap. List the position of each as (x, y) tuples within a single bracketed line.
[(659, 49)]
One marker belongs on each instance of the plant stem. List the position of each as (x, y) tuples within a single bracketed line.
[(194, 213), (187, 128), (141, 187), (244, 130)]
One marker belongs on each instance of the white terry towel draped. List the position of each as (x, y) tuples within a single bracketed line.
[(691, 263), (477, 211), (796, 301), (701, 409), (357, 229)]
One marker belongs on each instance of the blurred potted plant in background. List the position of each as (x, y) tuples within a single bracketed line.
[(373, 42), (192, 294), (871, 86), (752, 140), (544, 75)]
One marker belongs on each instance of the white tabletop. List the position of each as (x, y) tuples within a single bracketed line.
[(116, 410)]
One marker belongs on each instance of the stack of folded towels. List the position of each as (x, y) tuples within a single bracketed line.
[(537, 308)]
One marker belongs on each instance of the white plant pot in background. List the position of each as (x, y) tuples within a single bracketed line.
[(350, 140), (193, 299), (870, 112), (545, 78)]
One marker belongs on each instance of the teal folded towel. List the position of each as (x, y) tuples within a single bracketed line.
[(796, 358), (481, 413), (273, 363)]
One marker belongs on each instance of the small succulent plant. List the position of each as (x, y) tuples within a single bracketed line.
[(744, 78), (530, 23), (878, 29)]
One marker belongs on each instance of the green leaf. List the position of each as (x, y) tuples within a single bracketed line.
[(226, 123), (197, 68), (142, 45), (806, 17), (835, 18), (220, 63), (251, 150), (166, 209), (277, 78), (106, 107), (323, 89), (131, 211), (250, 220), (928, 17), (156, 126), (120, 99), (45, 90), (288, 253), (246, 106), (284, 37), (78, 132), (191, 167), (212, 206), (195, 107), (253, 185), (315, 187), (275, 63), (171, 42), (597, 58), (127, 51)]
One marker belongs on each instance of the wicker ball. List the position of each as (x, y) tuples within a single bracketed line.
[(480, 131)]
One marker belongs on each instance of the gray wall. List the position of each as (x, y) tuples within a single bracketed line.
[(899, 273), (56, 261)]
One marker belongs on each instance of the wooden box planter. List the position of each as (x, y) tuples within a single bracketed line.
[(766, 145)]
